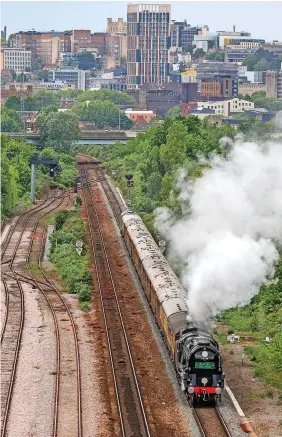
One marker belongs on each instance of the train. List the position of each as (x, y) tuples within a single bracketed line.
[(193, 350)]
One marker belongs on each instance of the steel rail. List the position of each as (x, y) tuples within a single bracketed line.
[(4, 322), (78, 370), (146, 426), (21, 324), (202, 428), (57, 333)]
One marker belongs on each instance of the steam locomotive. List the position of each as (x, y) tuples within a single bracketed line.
[(193, 350)]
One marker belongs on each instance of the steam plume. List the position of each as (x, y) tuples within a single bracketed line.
[(232, 216)]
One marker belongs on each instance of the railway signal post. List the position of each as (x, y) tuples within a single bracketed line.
[(54, 169), (130, 184)]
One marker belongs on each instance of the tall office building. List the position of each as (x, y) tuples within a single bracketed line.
[(148, 41)]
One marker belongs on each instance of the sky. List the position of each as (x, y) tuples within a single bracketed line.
[(261, 18)]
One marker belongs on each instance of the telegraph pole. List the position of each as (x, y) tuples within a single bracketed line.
[(119, 116), (22, 101), (32, 185)]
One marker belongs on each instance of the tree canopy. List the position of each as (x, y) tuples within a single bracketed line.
[(261, 101), (116, 97), (58, 129), (16, 172), (102, 114), (262, 60), (215, 56), (10, 121), (173, 112)]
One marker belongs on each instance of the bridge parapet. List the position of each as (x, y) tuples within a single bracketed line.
[(84, 135)]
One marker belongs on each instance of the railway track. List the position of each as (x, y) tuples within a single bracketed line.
[(211, 422), (11, 331), (15, 255), (67, 350), (132, 416), (101, 177)]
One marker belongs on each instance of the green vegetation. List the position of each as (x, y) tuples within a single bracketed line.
[(58, 129), (261, 101), (255, 130), (173, 112), (262, 60), (217, 56), (101, 113), (10, 121), (72, 268), (263, 317), (154, 157), (16, 173), (40, 100), (116, 97)]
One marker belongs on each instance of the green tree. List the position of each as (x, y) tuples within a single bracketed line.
[(102, 114), (46, 98), (256, 130), (174, 111), (30, 104), (42, 75), (13, 102), (261, 65), (9, 192), (58, 129), (173, 153), (215, 56), (10, 121), (116, 97), (14, 74), (4, 81), (198, 53), (188, 49), (154, 185)]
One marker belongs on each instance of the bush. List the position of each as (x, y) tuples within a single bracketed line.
[(85, 307), (84, 292), (72, 268)]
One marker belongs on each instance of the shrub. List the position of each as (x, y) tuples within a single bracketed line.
[(85, 307), (72, 268), (84, 292)]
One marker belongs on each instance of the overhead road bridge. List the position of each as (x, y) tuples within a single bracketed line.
[(99, 137)]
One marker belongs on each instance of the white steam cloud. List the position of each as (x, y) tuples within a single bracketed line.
[(232, 216)]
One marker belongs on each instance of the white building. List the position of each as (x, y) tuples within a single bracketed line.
[(204, 41), (18, 60), (227, 107)]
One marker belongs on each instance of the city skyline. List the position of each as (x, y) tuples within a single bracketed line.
[(93, 15)]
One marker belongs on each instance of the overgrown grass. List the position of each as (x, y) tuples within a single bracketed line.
[(73, 268)]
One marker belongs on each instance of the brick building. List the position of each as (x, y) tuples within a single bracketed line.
[(118, 26), (79, 37), (274, 84), (26, 91), (44, 46)]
